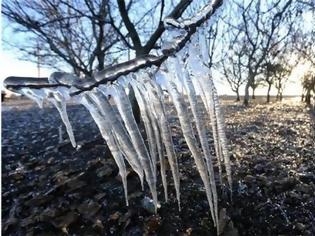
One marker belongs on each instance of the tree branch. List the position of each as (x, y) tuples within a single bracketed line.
[(130, 26)]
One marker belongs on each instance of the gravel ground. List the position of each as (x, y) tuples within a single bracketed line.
[(50, 188)]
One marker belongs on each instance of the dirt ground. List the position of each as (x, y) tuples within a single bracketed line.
[(50, 188)]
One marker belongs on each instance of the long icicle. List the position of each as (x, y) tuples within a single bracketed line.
[(109, 136), (209, 89), (207, 99), (192, 97), (148, 127), (206, 84), (123, 138), (156, 96), (221, 133), (149, 118), (191, 140), (125, 110)]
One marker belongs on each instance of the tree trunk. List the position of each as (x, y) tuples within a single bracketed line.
[(237, 96), (134, 104), (253, 94), (278, 94), (246, 96), (308, 97), (268, 93)]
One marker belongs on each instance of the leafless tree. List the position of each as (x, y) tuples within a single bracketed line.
[(263, 26), (233, 70), (281, 77), (308, 83)]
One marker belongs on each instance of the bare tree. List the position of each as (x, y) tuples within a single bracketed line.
[(269, 77), (263, 26), (281, 76), (308, 84), (233, 70)]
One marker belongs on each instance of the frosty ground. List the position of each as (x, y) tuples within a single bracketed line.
[(49, 188)]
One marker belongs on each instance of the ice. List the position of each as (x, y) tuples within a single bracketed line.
[(191, 141), (107, 133), (124, 68), (34, 95), (211, 98), (156, 94), (124, 107), (147, 110), (184, 77), (156, 99), (221, 133), (198, 16), (178, 65), (206, 99), (148, 124), (62, 78), (59, 102), (57, 99), (123, 139)]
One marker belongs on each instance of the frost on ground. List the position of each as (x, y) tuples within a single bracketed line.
[(50, 188)]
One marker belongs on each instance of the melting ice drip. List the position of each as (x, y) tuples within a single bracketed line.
[(185, 78)]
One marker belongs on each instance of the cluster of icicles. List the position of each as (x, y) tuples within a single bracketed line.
[(185, 79)]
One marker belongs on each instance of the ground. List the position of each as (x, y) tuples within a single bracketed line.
[(49, 188)]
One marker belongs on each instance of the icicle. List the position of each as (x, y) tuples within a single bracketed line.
[(210, 109), (157, 101), (221, 134), (59, 102), (199, 72), (109, 136), (190, 140), (192, 97), (206, 84), (119, 130), (152, 129), (125, 110), (156, 95), (146, 109), (38, 97), (144, 112)]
